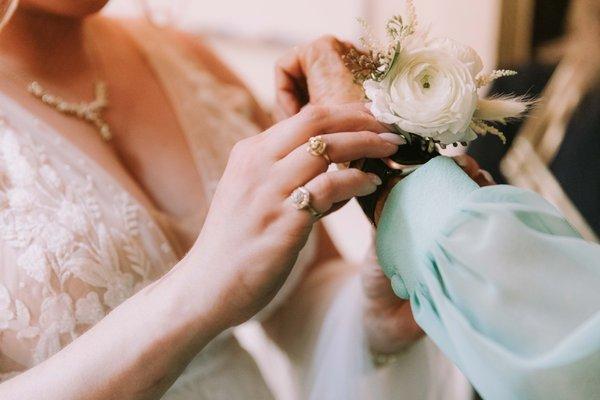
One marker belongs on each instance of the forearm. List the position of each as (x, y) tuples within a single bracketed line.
[(136, 352)]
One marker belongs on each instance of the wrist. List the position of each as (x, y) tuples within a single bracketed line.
[(382, 360), (189, 297)]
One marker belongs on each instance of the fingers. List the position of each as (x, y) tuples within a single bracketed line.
[(279, 113), (320, 120), (341, 148), (375, 284), (483, 178), (306, 71), (290, 83), (467, 163), (472, 168), (334, 187)]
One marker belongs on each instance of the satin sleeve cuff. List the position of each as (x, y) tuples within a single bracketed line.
[(417, 210), (499, 280)]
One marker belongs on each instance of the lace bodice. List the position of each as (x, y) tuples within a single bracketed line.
[(74, 244)]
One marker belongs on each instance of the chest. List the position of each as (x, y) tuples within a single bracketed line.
[(152, 151), (173, 123), (149, 156)]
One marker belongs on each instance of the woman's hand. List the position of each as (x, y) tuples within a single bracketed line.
[(315, 74), (389, 323), (253, 234), (388, 319)]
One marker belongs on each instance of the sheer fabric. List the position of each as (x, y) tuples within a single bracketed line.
[(74, 244), (342, 366), (500, 282)]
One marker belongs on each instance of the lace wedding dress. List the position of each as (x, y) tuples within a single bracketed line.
[(74, 244)]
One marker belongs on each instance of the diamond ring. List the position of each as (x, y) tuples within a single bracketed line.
[(301, 200)]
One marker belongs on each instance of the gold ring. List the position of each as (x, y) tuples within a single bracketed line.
[(301, 200), (318, 147)]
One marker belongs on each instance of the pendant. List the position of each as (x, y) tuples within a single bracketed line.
[(90, 113)]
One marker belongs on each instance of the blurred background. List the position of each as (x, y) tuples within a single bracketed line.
[(251, 35), (553, 44)]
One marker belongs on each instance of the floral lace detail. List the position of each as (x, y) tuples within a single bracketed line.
[(73, 245), (78, 256)]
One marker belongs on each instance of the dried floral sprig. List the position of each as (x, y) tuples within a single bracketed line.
[(482, 128), (413, 20), (368, 41), (486, 79), (376, 60), (395, 28), (362, 65), (374, 69), (501, 108), (369, 65)]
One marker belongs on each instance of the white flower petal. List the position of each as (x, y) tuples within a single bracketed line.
[(430, 91), (465, 54)]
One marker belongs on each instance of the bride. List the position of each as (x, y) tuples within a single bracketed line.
[(123, 262)]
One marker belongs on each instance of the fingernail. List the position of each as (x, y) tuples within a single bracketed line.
[(375, 179), (392, 138), (461, 161), (488, 176)]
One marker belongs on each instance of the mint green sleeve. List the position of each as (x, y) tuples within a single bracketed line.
[(498, 280)]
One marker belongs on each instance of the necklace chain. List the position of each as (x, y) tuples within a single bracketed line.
[(90, 112)]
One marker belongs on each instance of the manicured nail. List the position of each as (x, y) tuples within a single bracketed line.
[(375, 179), (461, 161), (392, 138), (488, 176)]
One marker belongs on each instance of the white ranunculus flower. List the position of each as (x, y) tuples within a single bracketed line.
[(430, 91)]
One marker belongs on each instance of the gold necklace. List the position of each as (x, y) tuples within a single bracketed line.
[(90, 112)]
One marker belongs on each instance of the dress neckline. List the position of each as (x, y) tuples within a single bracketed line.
[(201, 104), (49, 134), (52, 135)]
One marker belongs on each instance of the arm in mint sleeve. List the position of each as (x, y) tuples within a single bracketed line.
[(498, 280)]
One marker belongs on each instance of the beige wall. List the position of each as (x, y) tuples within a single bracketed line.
[(267, 27), (473, 22)]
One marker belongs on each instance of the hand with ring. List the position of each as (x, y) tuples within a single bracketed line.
[(315, 73), (275, 187)]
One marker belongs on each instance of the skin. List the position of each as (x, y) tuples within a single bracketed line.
[(65, 8), (316, 74), (225, 277)]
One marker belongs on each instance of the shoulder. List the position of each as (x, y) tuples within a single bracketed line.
[(199, 48), (194, 48)]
